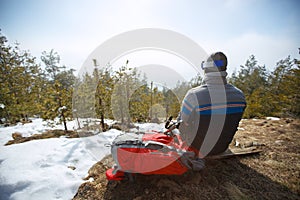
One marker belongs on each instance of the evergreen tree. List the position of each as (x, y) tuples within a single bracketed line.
[(84, 97), (19, 82), (284, 88), (121, 94), (171, 103), (124, 105), (59, 89), (140, 104), (252, 80), (105, 85)]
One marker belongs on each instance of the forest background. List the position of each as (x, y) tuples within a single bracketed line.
[(51, 90)]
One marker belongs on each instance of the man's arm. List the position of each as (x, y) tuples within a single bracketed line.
[(189, 103)]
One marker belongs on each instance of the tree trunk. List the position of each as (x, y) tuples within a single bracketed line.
[(63, 116), (78, 122), (64, 121), (101, 114), (102, 122)]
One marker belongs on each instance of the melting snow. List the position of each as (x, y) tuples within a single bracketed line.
[(40, 169)]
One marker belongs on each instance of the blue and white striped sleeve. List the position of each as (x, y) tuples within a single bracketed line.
[(189, 103)]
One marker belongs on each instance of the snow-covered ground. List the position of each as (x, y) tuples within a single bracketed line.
[(40, 169)]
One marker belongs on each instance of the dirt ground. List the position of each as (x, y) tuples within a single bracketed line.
[(272, 174)]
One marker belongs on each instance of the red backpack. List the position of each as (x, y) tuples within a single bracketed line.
[(152, 153)]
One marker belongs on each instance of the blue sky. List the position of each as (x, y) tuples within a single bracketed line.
[(269, 29)]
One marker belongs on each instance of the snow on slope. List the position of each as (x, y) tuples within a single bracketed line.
[(39, 169)]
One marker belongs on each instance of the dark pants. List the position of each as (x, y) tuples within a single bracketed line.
[(198, 127)]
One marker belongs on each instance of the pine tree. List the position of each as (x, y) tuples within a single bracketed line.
[(19, 81), (171, 103), (127, 82), (59, 89), (105, 85), (252, 80), (140, 104), (84, 97), (284, 86)]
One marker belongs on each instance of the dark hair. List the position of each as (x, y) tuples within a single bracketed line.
[(220, 61)]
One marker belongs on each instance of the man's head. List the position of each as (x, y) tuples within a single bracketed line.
[(216, 62)]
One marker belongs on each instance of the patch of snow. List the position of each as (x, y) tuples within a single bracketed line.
[(40, 169), (144, 127), (51, 168), (99, 145), (273, 118), (279, 142), (62, 108), (37, 126), (109, 122), (91, 179)]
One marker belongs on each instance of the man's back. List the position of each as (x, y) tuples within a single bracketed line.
[(211, 114)]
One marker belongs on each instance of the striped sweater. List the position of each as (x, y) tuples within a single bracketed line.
[(211, 114)]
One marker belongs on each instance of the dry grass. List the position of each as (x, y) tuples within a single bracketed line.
[(17, 137), (234, 192)]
